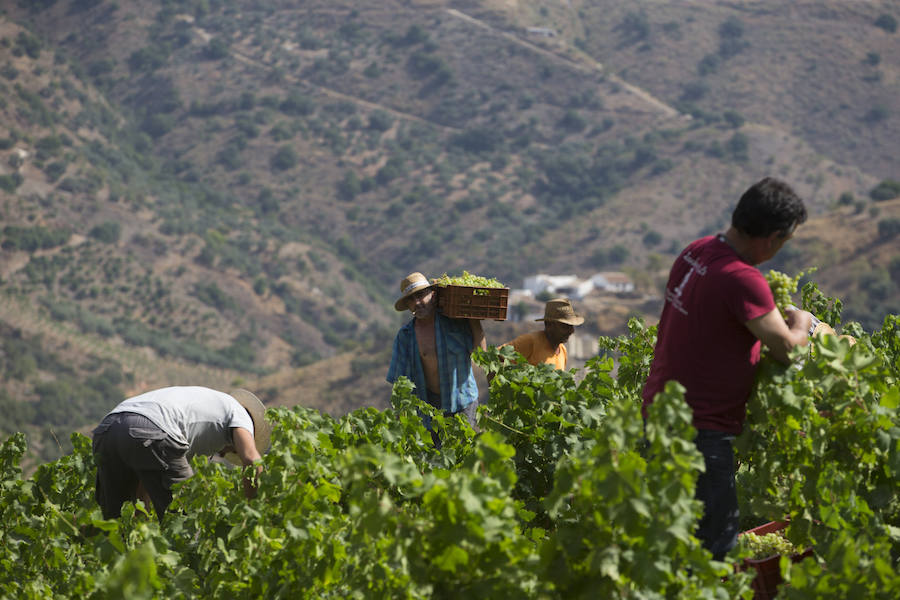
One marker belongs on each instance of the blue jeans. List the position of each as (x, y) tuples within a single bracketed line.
[(718, 529)]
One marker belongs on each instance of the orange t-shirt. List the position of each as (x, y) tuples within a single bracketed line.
[(536, 349)]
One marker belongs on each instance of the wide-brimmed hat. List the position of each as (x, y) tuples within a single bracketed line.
[(411, 284), (262, 429), (561, 310)]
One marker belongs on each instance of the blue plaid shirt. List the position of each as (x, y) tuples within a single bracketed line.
[(453, 339)]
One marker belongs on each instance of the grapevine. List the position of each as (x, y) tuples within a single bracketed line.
[(467, 279), (567, 491)]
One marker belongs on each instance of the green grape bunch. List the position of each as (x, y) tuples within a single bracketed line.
[(783, 286), (467, 279), (769, 544)]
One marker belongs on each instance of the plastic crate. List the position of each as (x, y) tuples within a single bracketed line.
[(467, 302), (768, 571)]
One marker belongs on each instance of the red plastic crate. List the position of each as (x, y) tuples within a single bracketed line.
[(768, 571), (467, 302)]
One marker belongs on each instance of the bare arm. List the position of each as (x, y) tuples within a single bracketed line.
[(781, 337), (245, 448)]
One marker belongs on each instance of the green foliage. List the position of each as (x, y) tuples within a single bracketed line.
[(888, 228), (285, 158), (739, 147), (886, 190), (478, 140), (157, 125), (876, 114), (572, 122), (212, 295), (107, 232), (148, 59), (635, 27), (829, 430), (55, 170), (603, 257), (27, 43), (9, 183), (424, 64), (380, 121), (33, 238), (297, 105), (652, 238), (566, 492), (217, 49), (582, 178), (886, 22)]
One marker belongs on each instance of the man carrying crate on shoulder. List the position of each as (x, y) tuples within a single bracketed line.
[(435, 352)]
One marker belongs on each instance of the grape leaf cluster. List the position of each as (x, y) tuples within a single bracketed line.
[(467, 279)]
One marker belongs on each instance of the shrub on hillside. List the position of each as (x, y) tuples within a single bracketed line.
[(708, 64), (380, 120), (886, 190), (886, 22), (9, 183), (572, 122), (395, 167), (635, 27), (212, 295), (148, 59), (349, 186), (297, 105), (107, 232), (876, 114), (50, 145), (27, 43), (217, 49), (478, 140), (158, 125), (285, 158), (34, 238), (652, 238), (888, 228), (55, 170)]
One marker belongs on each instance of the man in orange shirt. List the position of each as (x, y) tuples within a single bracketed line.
[(548, 346)]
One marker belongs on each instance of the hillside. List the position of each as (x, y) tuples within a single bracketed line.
[(227, 193)]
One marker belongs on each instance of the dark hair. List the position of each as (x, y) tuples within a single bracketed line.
[(768, 206)]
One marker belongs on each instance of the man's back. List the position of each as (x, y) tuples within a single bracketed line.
[(703, 342)]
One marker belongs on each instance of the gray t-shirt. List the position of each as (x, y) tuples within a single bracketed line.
[(197, 416)]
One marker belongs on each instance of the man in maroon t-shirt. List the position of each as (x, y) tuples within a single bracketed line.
[(718, 310)]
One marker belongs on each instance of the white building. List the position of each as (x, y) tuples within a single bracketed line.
[(541, 31), (612, 281), (569, 286)]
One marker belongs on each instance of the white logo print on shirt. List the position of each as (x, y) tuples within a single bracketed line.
[(674, 296)]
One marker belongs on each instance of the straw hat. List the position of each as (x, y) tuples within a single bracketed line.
[(561, 310), (411, 284), (262, 429)]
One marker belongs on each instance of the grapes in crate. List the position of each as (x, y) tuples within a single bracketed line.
[(769, 544), (467, 279)]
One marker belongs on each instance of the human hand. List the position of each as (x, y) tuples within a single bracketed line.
[(801, 320)]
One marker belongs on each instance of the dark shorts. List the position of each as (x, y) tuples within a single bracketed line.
[(129, 448)]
